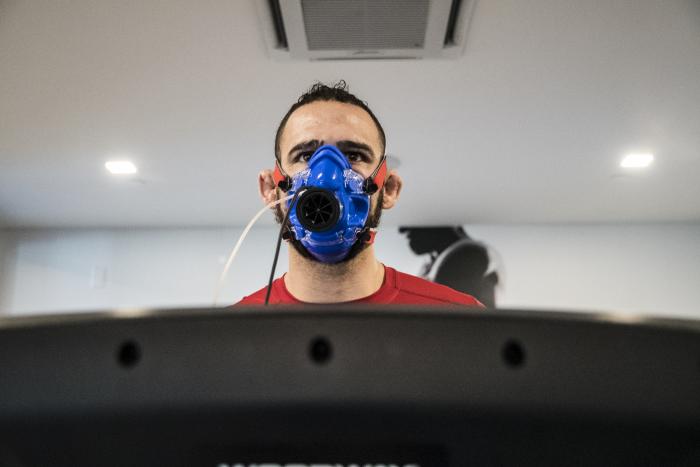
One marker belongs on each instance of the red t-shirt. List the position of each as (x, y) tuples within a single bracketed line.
[(397, 288)]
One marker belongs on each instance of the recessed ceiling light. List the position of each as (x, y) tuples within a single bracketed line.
[(637, 161), (121, 167)]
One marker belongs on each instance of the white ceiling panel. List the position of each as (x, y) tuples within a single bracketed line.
[(527, 126)]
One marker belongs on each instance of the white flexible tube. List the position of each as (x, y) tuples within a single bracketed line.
[(240, 241)]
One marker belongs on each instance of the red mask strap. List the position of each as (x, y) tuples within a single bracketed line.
[(375, 182), (370, 239), (369, 236), (282, 180)]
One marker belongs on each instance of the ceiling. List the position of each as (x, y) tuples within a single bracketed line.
[(527, 126)]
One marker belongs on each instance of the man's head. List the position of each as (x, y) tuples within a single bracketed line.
[(432, 239), (331, 115), (320, 92)]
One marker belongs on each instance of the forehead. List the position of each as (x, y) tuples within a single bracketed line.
[(330, 121)]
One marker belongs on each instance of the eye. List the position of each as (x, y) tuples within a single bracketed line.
[(355, 156), (303, 156)]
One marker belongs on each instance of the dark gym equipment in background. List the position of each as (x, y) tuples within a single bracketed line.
[(333, 385)]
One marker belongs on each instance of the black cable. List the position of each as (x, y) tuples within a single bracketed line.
[(279, 244)]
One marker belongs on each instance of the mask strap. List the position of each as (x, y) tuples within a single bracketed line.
[(367, 235), (375, 182), (372, 233), (282, 180)]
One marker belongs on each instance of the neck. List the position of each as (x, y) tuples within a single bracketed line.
[(314, 282)]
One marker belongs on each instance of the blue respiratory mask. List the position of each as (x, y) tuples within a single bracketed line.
[(331, 210)]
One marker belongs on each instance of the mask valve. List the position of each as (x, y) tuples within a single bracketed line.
[(317, 209)]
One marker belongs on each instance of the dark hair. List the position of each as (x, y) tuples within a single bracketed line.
[(338, 92)]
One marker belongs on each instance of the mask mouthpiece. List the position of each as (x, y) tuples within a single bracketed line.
[(317, 209)]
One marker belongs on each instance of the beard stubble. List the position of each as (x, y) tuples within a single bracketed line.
[(359, 246)]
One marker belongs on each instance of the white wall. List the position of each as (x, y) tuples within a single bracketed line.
[(638, 268), (68, 270)]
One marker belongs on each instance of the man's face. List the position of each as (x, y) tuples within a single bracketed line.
[(346, 126)]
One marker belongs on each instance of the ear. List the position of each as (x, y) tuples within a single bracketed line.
[(267, 187), (392, 189)]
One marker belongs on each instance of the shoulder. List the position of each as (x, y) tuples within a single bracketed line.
[(424, 291), (278, 295), (256, 298)]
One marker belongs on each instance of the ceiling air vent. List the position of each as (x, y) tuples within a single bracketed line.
[(365, 29)]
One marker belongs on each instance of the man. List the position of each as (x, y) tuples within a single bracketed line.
[(326, 136)]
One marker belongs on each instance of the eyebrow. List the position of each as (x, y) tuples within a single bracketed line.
[(344, 146), (306, 145), (347, 145), (310, 145)]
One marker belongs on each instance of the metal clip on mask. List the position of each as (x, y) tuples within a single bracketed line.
[(329, 217)]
